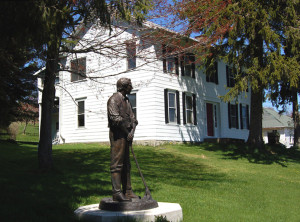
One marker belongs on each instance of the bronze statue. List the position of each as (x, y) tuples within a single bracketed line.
[(122, 124)]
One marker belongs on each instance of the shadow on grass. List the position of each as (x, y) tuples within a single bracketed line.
[(81, 177), (268, 155)]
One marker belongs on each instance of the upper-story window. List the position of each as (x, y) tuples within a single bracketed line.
[(78, 69), (187, 65), (131, 55), (170, 60), (230, 76), (212, 74)]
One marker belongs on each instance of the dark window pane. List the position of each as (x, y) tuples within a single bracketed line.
[(172, 115), (80, 107), (172, 100), (189, 102), (81, 120)]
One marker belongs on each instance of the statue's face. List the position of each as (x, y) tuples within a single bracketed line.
[(128, 88)]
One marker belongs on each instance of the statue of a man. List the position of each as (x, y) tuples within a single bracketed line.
[(122, 123)]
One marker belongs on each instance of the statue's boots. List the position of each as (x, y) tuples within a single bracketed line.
[(128, 191), (116, 188)]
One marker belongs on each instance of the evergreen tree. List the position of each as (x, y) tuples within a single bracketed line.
[(246, 34)]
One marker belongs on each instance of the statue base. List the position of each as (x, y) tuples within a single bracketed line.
[(92, 213), (135, 204)]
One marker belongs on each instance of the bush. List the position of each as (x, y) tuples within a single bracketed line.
[(13, 130)]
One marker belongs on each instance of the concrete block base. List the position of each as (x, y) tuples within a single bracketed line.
[(172, 212)]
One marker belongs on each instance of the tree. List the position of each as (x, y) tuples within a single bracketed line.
[(16, 60), (59, 19), (244, 33), (286, 90)]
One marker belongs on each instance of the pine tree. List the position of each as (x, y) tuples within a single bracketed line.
[(246, 34)]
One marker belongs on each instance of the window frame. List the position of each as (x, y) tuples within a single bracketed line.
[(212, 75), (244, 116), (76, 74), (230, 76), (170, 58), (233, 115), (167, 93), (131, 55), (79, 113), (187, 110), (134, 108), (190, 57)]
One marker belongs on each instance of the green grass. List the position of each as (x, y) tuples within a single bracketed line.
[(211, 182), (31, 133)]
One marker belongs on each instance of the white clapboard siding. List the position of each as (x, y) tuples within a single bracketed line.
[(149, 83)]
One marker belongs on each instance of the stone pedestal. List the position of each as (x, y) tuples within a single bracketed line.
[(172, 212)]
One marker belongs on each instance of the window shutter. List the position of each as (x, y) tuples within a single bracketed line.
[(194, 109), (166, 106), (176, 65), (193, 60), (178, 107), (229, 116), (216, 73), (241, 116), (182, 64), (227, 75), (164, 58), (237, 115), (183, 107), (247, 110)]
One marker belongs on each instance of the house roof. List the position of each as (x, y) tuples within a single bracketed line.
[(272, 119)]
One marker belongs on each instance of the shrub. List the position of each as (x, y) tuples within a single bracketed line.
[(13, 130)]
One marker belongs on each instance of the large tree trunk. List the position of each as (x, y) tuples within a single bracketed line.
[(45, 143), (296, 119), (255, 132)]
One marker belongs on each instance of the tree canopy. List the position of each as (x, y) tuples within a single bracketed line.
[(259, 38)]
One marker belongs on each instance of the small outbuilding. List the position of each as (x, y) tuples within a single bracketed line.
[(278, 125)]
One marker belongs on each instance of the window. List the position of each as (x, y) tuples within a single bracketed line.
[(132, 100), (212, 74), (244, 116), (189, 108), (80, 113), (170, 61), (233, 120), (187, 65), (230, 76), (131, 55), (172, 111), (78, 69)]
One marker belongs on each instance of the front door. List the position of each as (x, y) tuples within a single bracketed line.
[(212, 121)]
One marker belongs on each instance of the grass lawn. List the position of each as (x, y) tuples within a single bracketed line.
[(211, 182)]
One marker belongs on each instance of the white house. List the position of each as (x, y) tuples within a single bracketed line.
[(173, 99), (283, 124)]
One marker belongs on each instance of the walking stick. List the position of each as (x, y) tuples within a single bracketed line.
[(148, 194)]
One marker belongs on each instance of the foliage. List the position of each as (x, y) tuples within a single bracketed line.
[(211, 182), (55, 22), (16, 60), (250, 35)]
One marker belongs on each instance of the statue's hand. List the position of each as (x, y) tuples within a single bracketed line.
[(130, 136)]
